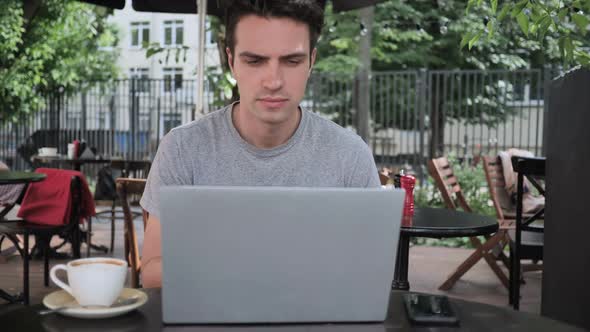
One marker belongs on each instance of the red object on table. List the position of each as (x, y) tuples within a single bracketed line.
[(408, 182), (76, 149), (49, 202)]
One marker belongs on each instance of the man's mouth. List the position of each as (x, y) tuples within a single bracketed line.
[(273, 102)]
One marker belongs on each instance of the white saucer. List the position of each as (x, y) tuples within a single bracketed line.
[(62, 298)]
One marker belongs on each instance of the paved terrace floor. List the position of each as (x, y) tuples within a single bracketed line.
[(429, 266)]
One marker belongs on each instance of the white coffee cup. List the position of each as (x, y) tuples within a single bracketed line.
[(71, 151), (48, 152), (96, 281)]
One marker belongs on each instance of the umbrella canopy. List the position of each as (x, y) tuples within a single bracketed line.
[(214, 7)]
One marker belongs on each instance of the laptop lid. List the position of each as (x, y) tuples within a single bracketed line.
[(278, 254)]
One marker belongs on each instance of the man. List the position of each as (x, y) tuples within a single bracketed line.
[(265, 138)]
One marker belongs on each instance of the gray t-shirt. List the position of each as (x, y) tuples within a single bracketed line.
[(210, 151)]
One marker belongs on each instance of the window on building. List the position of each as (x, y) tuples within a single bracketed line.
[(140, 77), (172, 79), (140, 33), (73, 119), (173, 33), (171, 120)]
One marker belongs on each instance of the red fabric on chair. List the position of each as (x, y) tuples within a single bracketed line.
[(49, 202)]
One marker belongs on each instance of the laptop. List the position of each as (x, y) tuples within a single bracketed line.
[(277, 254)]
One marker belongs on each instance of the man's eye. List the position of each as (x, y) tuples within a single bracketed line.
[(293, 62), (253, 61)]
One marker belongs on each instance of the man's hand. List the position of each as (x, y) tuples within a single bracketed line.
[(151, 259)]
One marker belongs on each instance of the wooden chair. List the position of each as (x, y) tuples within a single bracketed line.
[(384, 178), (531, 243), (138, 169), (448, 185), (127, 188)]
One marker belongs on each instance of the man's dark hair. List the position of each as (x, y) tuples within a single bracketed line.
[(304, 11)]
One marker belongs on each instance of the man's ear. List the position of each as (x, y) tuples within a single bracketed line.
[(230, 60), (312, 59)]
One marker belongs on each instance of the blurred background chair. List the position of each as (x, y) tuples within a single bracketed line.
[(69, 231), (450, 190), (106, 195), (130, 190), (528, 235), (531, 242)]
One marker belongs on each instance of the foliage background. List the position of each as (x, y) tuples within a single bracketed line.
[(58, 45)]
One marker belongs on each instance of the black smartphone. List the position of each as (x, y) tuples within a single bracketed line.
[(425, 309)]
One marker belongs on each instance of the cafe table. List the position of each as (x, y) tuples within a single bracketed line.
[(74, 163), (437, 223), (19, 177), (148, 318)]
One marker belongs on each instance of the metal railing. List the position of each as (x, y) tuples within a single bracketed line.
[(413, 115)]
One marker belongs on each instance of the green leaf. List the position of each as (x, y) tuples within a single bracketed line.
[(544, 27), (465, 40), (505, 9), (523, 22), (490, 27), (470, 4), (569, 49), (494, 6), (517, 9), (581, 22), (151, 51), (474, 39), (562, 13)]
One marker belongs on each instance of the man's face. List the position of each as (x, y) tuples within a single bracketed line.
[(271, 64)]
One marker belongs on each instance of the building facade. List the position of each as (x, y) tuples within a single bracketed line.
[(171, 31)]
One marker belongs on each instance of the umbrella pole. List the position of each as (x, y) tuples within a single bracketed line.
[(202, 11)]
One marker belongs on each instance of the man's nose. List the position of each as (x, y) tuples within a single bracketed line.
[(273, 78)]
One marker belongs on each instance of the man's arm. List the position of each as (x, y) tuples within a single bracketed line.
[(151, 259)]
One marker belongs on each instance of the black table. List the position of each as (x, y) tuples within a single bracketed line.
[(75, 164), (437, 223), (17, 177), (472, 316)]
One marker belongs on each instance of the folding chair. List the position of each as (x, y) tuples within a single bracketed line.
[(126, 189), (138, 169), (449, 187)]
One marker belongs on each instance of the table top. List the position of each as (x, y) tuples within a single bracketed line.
[(438, 222), (472, 316), (14, 177), (62, 158), (529, 165)]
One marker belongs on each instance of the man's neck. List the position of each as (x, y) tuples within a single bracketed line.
[(263, 135)]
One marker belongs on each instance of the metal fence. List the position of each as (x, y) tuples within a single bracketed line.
[(413, 115)]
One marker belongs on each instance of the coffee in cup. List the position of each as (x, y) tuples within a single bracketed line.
[(94, 281)]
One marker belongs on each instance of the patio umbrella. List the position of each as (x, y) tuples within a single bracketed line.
[(211, 7)]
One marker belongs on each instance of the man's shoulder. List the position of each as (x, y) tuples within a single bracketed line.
[(207, 124), (331, 131)]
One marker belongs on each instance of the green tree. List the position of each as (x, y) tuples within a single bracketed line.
[(541, 22), (50, 45), (428, 34)]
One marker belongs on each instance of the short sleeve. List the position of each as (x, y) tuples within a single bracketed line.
[(168, 168)]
